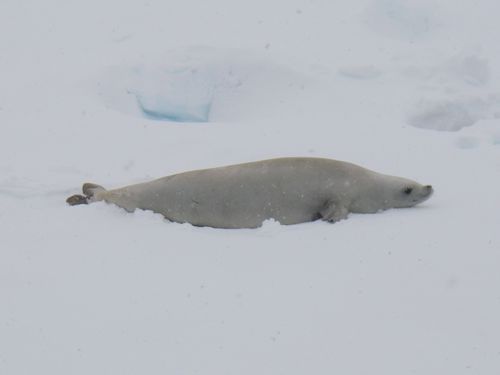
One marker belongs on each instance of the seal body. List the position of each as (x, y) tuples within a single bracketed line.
[(289, 190)]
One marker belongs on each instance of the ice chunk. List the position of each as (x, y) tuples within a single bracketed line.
[(161, 108), (200, 85), (181, 95)]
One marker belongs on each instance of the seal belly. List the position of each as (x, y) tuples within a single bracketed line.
[(228, 198)]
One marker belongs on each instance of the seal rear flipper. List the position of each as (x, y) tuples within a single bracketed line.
[(90, 189), (77, 199)]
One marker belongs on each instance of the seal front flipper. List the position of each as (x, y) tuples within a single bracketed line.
[(332, 212)]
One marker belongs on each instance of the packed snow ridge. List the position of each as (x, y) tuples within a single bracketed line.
[(456, 95), (188, 84)]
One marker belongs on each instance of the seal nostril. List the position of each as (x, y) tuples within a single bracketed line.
[(428, 187)]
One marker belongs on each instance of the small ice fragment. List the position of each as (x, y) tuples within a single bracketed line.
[(163, 110)]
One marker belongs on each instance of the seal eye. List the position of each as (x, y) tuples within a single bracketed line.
[(408, 190)]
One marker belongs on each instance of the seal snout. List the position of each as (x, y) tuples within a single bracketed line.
[(427, 192)]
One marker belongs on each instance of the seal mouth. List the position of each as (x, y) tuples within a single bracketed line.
[(424, 194)]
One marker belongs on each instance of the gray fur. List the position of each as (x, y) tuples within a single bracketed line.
[(289, 190)]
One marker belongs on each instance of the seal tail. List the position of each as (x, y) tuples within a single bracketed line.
[(89, 189), (77, 199)]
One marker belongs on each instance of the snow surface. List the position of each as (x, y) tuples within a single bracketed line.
[(94, 290)]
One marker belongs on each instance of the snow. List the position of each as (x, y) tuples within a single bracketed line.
[(93, 289)]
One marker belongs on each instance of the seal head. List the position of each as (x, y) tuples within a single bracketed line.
[(383, 192)]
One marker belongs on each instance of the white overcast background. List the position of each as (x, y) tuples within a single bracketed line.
[(408, 88)]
